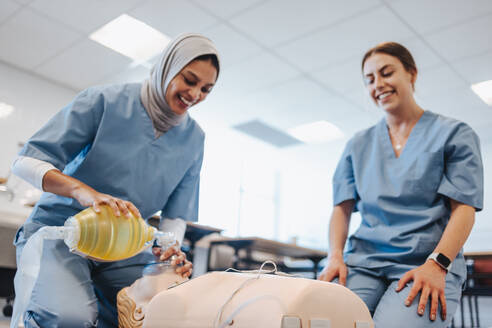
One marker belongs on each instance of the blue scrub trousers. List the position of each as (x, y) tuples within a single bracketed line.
[(72, 291), (387, 306)]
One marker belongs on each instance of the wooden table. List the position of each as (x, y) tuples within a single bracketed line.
[(273, 247)]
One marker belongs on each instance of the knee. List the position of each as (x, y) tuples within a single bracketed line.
[(85, 316)]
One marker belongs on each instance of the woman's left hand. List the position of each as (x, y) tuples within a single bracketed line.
[(185, 269), (430, 280)]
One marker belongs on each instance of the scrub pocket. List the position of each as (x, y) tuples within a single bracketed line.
[(428, 171)]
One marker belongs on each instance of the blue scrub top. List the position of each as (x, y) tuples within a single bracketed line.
[(404, 201), (105, 139)]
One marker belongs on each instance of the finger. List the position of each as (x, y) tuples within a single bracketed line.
[(407, 277), (187, 274), (434, 302), (424, 297), (156, 251), (168, 253), (184, 268), (114, 207), (342, 276), (96, 207), (412, 294), (122, 207), (444, 310), (181, 258), (326, 275), (133, 209)]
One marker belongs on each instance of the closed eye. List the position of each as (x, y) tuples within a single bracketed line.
[(189, 82)]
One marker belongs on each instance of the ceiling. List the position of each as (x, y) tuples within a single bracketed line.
[(284, 62)]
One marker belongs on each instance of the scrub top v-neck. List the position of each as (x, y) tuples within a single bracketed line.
[(105, 139), (404, 201), (386, 139)]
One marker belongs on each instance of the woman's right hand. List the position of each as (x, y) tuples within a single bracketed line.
[(335, 268), (87, 196)]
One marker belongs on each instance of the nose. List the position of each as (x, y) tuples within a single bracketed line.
[(378, 82), (196, 94)]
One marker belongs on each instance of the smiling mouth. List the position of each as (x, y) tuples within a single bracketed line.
[(384, 95), (186, 102)]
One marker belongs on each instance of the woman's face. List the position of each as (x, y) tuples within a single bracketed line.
[(389, 84), (191, 85)]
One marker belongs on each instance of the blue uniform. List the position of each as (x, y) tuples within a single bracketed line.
[(404, 201), (105, 139)]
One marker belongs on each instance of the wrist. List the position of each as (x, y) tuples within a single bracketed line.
[(440, 260), (336, 254), (436, 265)]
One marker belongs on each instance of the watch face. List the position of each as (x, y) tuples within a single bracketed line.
[(443, 260)]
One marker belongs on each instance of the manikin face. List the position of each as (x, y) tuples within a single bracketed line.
[(389, 84), (191, 85)]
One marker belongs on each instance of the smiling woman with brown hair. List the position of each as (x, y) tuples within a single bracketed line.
[(416, 178)]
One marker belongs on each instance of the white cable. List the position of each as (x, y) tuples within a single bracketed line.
[(248, 302), (259, 273)]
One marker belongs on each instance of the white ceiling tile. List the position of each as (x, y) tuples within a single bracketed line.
[(86, 16), (84, 65), (475, 69), (348, 39), (24, 2), (32, 39), (426, 16), (423, 55), (455, 104), (361, 98), (463, 40), (232, 46), (277, 21), (304, 100), (438, 80), (7, 8), (255, 73), (132, 74), (228, 8), (343, 78), (173, 17)]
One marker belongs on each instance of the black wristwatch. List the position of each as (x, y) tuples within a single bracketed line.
[(441, 259)]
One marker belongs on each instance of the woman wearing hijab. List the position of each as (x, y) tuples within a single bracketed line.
[(133, 147)]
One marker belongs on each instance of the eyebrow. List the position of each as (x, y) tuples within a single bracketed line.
[(380, 70), (197, 78)]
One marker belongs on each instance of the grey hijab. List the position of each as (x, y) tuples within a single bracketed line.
[(175, 57)]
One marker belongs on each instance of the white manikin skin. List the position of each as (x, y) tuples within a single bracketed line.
[(132, 301), (196, 303)]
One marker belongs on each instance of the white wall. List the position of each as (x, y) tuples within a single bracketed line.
[(480, 237), (297, 180), (35, 101)]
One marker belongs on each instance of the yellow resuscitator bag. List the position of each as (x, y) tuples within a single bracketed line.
[(98, 236)]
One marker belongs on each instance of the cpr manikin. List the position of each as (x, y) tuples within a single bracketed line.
[(242, 300)]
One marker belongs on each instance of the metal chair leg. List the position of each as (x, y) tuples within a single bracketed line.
[(470, 307), (462, 312), (476, 310)]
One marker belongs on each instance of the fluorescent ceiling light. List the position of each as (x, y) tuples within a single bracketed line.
[(131, 37), (484, 91), (316, 132), (5, 109)]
